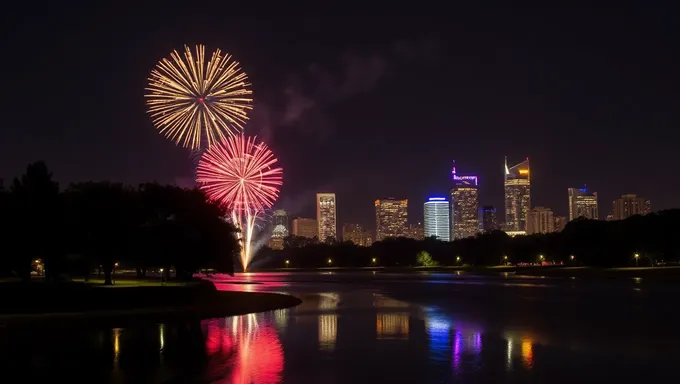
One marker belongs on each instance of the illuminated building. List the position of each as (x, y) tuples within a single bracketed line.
[(488, 219), (357, 235), (582, 204), (630, 205), (540, 220), (390, 218), (517, 195), (560, 223), (280, 218), (437, 218), (464, 206), (326, 216), (305, 227), (280, 229), (415, 232)]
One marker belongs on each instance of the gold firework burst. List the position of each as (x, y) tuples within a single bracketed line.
[(195, 102)]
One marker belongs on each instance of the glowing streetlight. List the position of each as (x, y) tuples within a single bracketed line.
[(571, 257), (330, 261), (458, 259), (505, 257), (287, 263), (374, 260), (541, 258), (636, 257)]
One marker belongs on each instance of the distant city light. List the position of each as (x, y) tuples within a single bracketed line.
[(437, 199)]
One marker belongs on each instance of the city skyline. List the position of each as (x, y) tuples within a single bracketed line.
[(325, 100), (392, 220)]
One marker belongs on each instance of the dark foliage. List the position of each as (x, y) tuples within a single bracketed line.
[(96, 225), (590, 242)]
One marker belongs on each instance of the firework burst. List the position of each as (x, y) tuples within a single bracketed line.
[(241, 174), (197, 103)]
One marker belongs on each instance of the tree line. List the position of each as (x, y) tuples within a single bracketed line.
[(98, 225), (653, 238)]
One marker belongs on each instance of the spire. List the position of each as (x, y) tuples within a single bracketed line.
[(507, 171), (453, 171)]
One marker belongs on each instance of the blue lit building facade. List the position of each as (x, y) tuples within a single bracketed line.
[(437, 218)]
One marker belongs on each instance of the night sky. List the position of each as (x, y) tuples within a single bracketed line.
[(362, 102)]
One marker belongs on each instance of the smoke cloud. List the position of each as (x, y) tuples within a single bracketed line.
[(302, 103)]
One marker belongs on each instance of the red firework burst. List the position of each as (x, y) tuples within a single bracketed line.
[(240, 173)]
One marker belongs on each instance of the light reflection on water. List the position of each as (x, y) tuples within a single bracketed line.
[(335, 336)]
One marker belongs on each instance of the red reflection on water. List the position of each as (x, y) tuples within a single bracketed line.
[(244, 351), (217, 339)]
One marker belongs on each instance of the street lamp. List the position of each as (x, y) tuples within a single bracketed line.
[(330, 261), (287, 263), (571, 257), (374, 260), (458, 259), (637, 257), (505, 259), (540, 257)]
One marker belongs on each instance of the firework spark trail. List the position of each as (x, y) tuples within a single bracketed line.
[(241, 174), (198, 103)]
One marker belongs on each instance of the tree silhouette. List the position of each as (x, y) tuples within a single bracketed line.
[(591, 242), (98, 224), (35, 213)]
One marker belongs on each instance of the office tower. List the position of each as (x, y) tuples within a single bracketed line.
[(489, 222), (390, 218), (415, 232), (305, 227), (464, 206), (326, 216), (356, 234), (437, 218), (540, 220), (280, 218), (279, 229), (517, 195), (629, 205), (582, 204), (560, 223)]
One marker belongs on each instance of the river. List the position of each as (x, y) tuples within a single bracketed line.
[(382, 327)]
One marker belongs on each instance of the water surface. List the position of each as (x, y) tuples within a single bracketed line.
[(365, 327)]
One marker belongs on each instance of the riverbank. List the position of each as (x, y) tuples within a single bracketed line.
[(87, 304), (666, 272)]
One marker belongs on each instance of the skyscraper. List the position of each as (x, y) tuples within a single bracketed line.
[(357, 235), (281, 218), (437, 218), (279, 230), (390, 218), (464, 205), (540, 220), (629, 205), (326, 216), (582, 204), (517, 195), (305, 227), (415, 232), (489, 220)]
